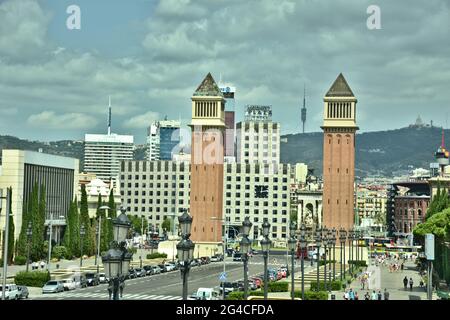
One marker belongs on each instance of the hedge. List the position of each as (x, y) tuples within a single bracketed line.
[(321, 262), (309, 295), (239, 295), (335, 285), (156, 255), (20, 260), (277, 286), (32, 279), (312, 295), (358, 263)]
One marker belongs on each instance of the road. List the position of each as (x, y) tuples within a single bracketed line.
[(168, 286)]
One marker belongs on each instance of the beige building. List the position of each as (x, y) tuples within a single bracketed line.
[(21, 169)]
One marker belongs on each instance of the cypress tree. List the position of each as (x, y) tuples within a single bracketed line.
[(10, 233), (37, 238), (112, 214), (75, 229), (88, 238), (41, 219)]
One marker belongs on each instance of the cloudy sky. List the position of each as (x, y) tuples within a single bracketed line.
[(150, 56)]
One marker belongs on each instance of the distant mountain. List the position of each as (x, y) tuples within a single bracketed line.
[(380, 152)]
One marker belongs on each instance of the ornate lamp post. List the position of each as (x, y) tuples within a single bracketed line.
[(350, 238), (292, 245), (29, 234), (330, 245), (82, 233), (303, 244), (343, 239), (333, 243), (185, 249), (318, 240), (117, 259), (265, 246), (245, 247)]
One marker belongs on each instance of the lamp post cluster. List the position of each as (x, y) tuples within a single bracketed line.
[(245, 247), (292, 245), (265, 246), (185, 249), (303, 244), (116, 261), (29, 235)]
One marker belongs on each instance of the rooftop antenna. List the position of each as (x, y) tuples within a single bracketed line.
[(109, 117)]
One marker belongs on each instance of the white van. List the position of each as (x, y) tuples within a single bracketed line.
[(11, 292), (207, 294)]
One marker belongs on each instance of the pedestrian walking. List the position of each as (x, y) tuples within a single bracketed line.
[(421, 283), (346, 295), (379, 295), (42, 264), (110, 289), (386, 294), (402, 266), (351, 294), (411, 282), (374, 295), (405, 282), (367, 296), (356, 296)]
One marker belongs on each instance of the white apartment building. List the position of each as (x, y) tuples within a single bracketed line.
[(258, 138), (153, 142), (103, 154), (159, 189)]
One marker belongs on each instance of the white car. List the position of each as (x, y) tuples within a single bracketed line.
[(169, 267), (69, 284), (11, 292), (102, 277), (207, 294)]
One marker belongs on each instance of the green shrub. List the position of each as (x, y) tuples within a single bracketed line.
[(335, 285), (312, 295), (321, 262), (239, 295), (20, 260), (59, 252), (32, 279), (358, 263), (277, 286), (156, 255)]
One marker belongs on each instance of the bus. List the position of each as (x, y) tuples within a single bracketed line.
[(400, 249)]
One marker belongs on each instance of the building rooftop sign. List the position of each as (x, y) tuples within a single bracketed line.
[(258, 113)]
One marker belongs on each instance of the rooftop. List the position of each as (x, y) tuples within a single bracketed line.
[(208, 88), (340, 88)]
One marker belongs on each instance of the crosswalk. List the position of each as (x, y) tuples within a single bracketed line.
[(105, 296)]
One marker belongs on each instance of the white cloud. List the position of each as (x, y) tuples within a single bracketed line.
[(142, 121), (51, 120)]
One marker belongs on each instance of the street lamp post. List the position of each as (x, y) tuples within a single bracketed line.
[(333, 242), (50, 234), (29, 234), (350, 239), (303, 244), (245, 247), (325, 246), (117, 259), (98, 230), (5, 235), (265, 246), (185, 249), (318, 240), (82, 233), (330, 245), (343, 238), (292, 245)]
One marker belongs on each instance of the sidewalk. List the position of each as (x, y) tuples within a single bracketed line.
[(393, 282)]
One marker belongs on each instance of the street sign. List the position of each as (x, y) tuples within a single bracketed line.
[(223, 276), (429, 246)]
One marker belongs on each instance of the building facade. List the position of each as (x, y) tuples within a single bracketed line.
[(153, 142), (339, 128), (103, 154), (159, 189), (22, 170), (258, 138), (169, 138)]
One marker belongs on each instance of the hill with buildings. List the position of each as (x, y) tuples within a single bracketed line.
[(378, 152)]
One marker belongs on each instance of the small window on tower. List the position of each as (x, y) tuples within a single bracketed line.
[(337, 170), (339, 141), (337, 201), (328, 201), (329, 141)]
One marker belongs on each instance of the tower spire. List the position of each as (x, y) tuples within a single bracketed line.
[(109, 116), (443, 139), (304, 108)]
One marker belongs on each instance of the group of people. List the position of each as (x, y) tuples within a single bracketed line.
[(411, 283), (353, 295), (36, 265)]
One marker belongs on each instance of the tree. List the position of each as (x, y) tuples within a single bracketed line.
[(438, 224), (112, 214), (88, 238), (37, 223), (104, 236), (166, 224), (72, 232), (439, 202)]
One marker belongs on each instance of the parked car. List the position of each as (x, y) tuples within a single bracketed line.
[(237, 256), (53, 286), (162, 267), (23, 290), (230, 252), (140, 272), (217, 258), (171, 266), (102, 278), (92, 279), (194, 263), (257, 281), (227, 286), (148, 270), (80, 281), (251, 285), (69, 284), (11, 292), (156, 269), (132, 274)]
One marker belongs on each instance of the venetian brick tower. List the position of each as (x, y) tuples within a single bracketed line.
[(339, 127), (207, 156)]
